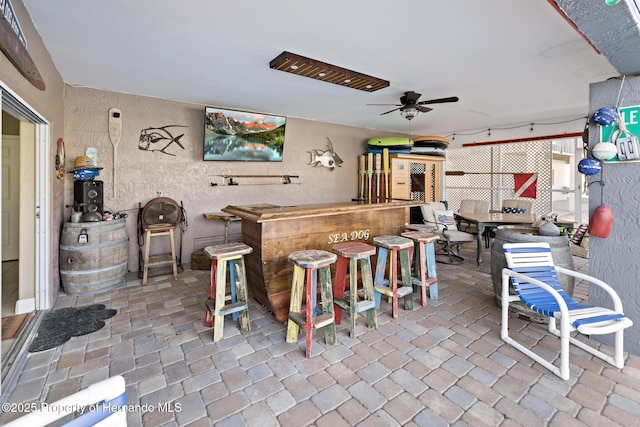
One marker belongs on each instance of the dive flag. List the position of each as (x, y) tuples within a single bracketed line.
[(525, 184)]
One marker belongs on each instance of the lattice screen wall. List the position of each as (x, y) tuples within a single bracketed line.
[(483, 176)]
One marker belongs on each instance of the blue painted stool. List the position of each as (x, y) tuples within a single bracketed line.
[(306, 266), (399, 248), (424, 264)]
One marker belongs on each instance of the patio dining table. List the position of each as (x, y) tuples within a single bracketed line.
[(483, 220)]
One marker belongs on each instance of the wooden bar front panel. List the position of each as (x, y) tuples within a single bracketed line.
[(269, 272)]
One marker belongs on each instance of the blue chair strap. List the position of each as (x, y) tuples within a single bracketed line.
[(616, 316)]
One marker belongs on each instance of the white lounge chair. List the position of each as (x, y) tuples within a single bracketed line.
[(533, 276)]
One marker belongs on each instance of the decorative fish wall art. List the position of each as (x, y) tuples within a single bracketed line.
[(328, 158), (159, 139)]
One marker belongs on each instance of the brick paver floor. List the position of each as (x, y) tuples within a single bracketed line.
[(439, 365)]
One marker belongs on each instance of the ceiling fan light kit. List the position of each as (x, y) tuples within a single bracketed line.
[(307, 67), (410, 107), (409, 113)]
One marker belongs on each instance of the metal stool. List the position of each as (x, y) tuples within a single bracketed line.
[(217, 308), (349, 253), (399, 247), (424, 264), (306, 266)]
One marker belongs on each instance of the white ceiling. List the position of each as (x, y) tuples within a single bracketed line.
[(509, 62)]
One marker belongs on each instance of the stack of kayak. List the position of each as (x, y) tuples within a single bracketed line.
[(423, 145), (394, 145), (430, 145)]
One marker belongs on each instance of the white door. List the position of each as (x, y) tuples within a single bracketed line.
[(10, 197)]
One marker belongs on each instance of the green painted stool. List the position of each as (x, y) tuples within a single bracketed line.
[(350, 254), (307, 265), (399, 248), (231, 255)]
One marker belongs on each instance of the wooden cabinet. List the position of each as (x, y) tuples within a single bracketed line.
[(415, 177)]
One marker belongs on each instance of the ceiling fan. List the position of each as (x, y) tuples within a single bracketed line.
[(410, 107)]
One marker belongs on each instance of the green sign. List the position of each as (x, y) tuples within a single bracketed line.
[(630, 116)]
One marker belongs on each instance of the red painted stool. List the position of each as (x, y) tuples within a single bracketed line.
[(350, 254), (424, 263), (306, 266), (231, 255), (399, 248)]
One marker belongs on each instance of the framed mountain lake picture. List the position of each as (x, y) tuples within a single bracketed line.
[(242, 136)]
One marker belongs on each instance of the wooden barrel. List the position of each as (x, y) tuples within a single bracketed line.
[(93, 256), (560, 252)]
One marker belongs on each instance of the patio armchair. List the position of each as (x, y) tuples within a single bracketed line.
[(107, 400), (509, 206), (472, 206), (517, 206), (531, 271), (441, 220)]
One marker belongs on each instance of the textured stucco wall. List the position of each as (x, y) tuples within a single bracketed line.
[(185, 177), (615, 259), (49, 104)]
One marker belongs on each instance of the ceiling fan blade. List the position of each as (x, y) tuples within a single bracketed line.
[(423, 109), (439, 101), (391, 111), (397, 105)]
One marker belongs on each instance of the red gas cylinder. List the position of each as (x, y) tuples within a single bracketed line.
[(601, 221)]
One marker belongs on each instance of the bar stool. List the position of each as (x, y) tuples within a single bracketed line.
[(231, 255), (350, 253), (424, 265), (400, 248), (149, 261), (159, 217), (306, 266)]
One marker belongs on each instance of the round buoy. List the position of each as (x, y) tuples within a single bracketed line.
[(604, 151), (589, 166), (605, 116), (601, 221)]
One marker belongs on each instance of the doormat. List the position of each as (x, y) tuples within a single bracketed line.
[(58, 326), (12, 325)]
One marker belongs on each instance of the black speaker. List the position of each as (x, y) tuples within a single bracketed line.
[(88, 195)]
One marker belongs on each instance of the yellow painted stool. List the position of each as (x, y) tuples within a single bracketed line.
[(307, 265), (231, 255)]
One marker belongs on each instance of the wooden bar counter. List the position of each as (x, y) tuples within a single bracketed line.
[(275, 231)]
